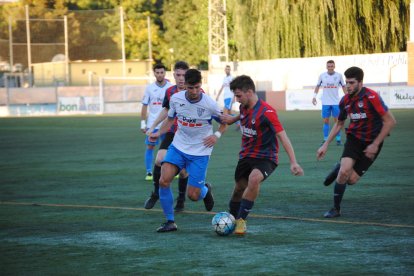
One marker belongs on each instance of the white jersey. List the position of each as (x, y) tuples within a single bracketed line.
[(226, 87), (331, 84), (194, 121), (153, 98)]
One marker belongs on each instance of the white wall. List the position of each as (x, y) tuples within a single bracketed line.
[(299, 73)]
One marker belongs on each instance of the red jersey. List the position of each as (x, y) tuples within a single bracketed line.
[(259, 126), (365, 111)]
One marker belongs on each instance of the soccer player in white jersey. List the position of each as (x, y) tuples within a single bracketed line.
[(151, 108), (330, 81), (191, 147), (228, 94)]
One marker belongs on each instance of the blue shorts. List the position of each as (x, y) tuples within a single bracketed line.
[(149, 143), (228, 103), (196, 166), (330, 110)]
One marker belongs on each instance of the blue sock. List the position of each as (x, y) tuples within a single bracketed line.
[(167, 200), (325, 131), (245, 207), (203, 192), (338, 136), (148, 159)]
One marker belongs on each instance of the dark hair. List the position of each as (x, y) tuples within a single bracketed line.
[(330, 61), (159, 66), (243, 83), (181, 65), (192, 76), (354, 72)]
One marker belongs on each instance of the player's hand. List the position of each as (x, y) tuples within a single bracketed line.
[(314, 101), (210, 141), (143, 130), (227, 119), (370, 151), (296, 169), (320, 153), (153, 137), (149, 131)]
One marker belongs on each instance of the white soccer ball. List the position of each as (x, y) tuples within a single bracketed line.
[(223, 223)]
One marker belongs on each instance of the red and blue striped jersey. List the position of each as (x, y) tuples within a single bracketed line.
[(166, 103), (365, 111), (259, 126)]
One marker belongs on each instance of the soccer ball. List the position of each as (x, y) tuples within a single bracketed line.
[(223, 223)]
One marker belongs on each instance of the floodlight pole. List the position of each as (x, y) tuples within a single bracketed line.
[(29, 54), (149, 39), (65, 18), (10, 43), (121, 15)]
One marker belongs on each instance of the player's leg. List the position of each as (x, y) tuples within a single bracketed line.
[(197, 188), (173, 162), (353, 150), (335, 114), (156, 173), (149, 152), (182, 190), (261, 169), (241, 176), (326, 113)]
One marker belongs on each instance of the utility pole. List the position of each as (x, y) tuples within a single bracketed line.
[(217, 32)]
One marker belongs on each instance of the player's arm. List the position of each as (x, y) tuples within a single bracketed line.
[(219, 93), (161, 117), (334, 131), (389, 122), (315, 93), (229, 119), (295, 168), (144, 110), (165, 126)]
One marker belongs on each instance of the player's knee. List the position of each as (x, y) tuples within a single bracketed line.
[(353, 179), (164, 182), (183, 174), (343, 175), (193, 195)]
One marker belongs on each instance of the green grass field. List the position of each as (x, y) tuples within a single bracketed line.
[(72, 191)]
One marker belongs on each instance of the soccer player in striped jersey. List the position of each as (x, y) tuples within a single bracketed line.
[(151, 108), (180, 68), (330, 81), (258, 157), (191, 147), (370, 123)]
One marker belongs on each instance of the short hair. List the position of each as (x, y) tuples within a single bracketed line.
[(243, 83), (228, 66), (192, 76), (330, 61), (181, 65), (159, 66), (354, 72)]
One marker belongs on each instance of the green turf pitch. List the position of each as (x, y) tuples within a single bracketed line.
[(72, 191)]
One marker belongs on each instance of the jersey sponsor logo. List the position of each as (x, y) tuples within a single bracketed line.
[(248, 132), (182, 104), (187, 124), (358, 116)]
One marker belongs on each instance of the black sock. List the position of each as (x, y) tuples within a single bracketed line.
[(339, 191), (182, 187), (156, 174), (245, 207), (234, 208)]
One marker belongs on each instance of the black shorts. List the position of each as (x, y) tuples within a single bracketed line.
[(354, 149), (169, 136), (246, 165)]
